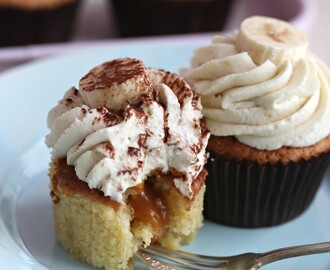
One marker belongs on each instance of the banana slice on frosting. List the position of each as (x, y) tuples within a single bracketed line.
[(268, 38), (115, 83)]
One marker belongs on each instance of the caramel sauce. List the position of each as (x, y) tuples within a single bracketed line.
[(149, 206), (147, 200)]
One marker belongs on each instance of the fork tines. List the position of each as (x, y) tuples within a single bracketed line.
[(184, 259)]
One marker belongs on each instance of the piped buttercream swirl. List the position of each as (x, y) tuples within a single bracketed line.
[(116, 150), (265, 106)]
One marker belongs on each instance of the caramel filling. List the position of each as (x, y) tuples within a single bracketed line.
[(149, 206), (147, 200)]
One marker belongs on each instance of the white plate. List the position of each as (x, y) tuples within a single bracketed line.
[(27, 238)]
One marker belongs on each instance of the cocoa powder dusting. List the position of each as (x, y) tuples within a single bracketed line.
[(195, 100), (178, 86), (83, 110), (142, 139), (167, 134), (135, 109), (113, 72), (129, 171), (109, 117), (96, 120), (132, 151), (110, 149)]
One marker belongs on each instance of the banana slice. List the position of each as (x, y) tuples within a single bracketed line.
[(114, 83), (271, 39)]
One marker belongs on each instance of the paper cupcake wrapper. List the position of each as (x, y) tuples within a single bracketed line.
[(151, 17), (21, 27), (243, 194)]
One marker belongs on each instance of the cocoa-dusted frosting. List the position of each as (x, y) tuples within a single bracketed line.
[(158, 129), (117, 71), (114, 83)]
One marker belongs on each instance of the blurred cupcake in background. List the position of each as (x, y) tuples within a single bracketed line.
[(163, 17), (266, 100), (36, 21)]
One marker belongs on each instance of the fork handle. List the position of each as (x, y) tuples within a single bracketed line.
[(289, 252)]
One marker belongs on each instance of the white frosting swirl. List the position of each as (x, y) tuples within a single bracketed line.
[(264, 106), (113, 152)]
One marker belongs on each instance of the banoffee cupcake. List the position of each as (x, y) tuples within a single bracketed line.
[(266, 102), (36, 21), (128, 151)]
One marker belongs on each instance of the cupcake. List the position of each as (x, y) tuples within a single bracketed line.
[(128, 151), (36, 21), (164, 17), (266, 101)]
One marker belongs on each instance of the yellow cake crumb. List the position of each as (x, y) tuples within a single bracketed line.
[(107, 236)]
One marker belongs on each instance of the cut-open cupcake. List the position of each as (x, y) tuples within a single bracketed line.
[(127, 163)]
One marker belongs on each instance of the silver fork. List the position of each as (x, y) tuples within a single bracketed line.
[(157, 258)]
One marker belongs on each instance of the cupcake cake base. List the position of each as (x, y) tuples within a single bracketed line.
[(105, 233)]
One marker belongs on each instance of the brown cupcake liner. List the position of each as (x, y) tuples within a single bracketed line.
[(22, 27), (250, 195), (163, 17)]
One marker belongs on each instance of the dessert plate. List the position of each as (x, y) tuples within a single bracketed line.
[(27, 239)]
